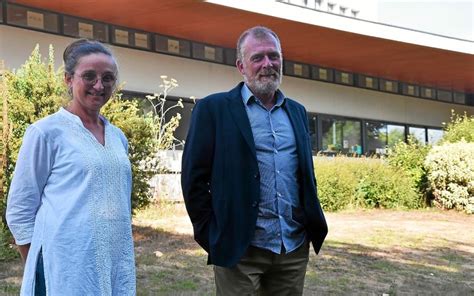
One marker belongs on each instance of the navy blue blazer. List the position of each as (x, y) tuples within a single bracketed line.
[(221, 181)]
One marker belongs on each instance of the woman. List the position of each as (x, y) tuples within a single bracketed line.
[(69, 201)]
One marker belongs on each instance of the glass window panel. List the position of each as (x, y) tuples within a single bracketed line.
[(1, 11), (395, 134), (312, 123), (320, 73), (427, 93), (341, 136), (410, 90), (376, 137), (460, 98), (85, 29), (172, 46), (230, 56), (141, 39), (296, 69), (418, 134), (389, 85), (121, 36), (444, 95), (367, 82), (208, 52), (434, 135), (31, 18), (344, 77)]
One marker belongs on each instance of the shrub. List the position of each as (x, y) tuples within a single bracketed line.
[(451, 175), (381, 186), (7, 250), (336, 182), (460, 127), (345, 183), (410, 157)]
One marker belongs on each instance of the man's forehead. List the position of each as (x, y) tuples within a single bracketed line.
[(266, 44)]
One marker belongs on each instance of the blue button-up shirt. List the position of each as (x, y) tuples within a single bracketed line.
[(277, 158)]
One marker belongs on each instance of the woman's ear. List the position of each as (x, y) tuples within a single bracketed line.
[(68, 79)]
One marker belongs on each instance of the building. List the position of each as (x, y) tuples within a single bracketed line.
[(365, 84)]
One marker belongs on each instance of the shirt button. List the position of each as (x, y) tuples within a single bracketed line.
[(278, 171), (276, 151)]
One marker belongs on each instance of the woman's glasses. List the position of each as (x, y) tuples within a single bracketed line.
[(90, 78)]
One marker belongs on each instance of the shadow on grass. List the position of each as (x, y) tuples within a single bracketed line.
[(349, 268)]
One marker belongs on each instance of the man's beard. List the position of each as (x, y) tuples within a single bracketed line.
[(264, 87)]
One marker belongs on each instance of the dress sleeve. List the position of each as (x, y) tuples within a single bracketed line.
[(31, 173)]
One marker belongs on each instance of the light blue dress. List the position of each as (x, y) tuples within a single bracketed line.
[(70, 198)]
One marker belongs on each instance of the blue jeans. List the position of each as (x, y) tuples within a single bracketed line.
[(40, 285)]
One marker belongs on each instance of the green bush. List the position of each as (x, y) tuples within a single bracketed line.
[(7, 250), (347, 183), (451, 175), (336, 181), (381, 186), (461, 127), (410, 157)]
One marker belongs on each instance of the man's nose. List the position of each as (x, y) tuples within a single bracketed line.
[(267, 62)]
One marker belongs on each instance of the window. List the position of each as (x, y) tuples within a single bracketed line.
[(410, 90), (230, 56), (418, 134), (32, 18), (130, 37), (444, 95), (1, 11), (389, 85), (344, 77), (434, 135), (296, 69), (367, 81), (313, 123), (172, 46), (341, 136), (320, 73), (85, 29), (381, 136), (208, 52), (459, 98), (427, 93)]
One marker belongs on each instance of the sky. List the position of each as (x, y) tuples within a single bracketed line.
[(453, 18)]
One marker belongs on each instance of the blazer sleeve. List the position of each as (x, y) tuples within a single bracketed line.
[(196, 172), (30, 176)]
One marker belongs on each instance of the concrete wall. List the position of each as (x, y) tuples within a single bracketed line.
[(141, 71)]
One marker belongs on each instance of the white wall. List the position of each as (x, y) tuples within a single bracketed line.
[(141, 71)]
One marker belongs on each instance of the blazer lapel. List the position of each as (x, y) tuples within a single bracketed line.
[(239, 115)]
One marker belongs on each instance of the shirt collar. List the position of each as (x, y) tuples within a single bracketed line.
[(247, 94)]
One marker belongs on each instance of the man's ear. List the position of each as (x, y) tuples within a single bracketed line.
[(240, 66)]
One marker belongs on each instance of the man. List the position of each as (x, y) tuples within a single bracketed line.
[(248, 179)]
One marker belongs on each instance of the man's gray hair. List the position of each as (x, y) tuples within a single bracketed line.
[(258, 32)]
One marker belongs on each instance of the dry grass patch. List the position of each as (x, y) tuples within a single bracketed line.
[(424, 252)]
